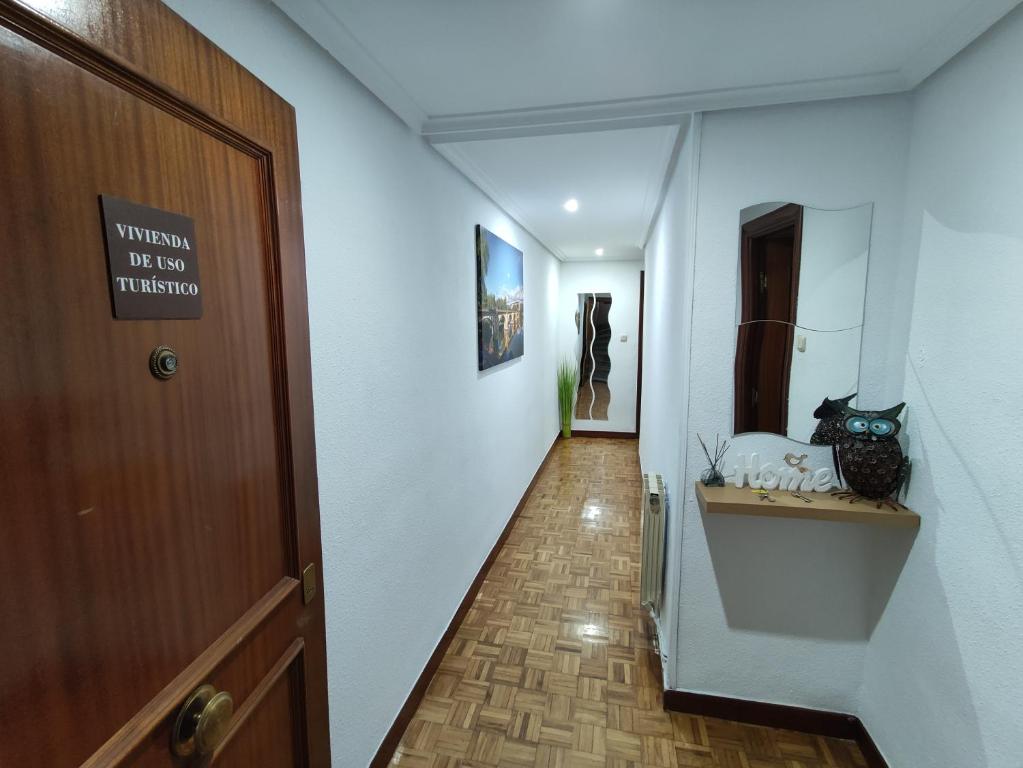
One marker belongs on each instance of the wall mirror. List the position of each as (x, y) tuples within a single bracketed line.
[(594, 357), (802, 288)]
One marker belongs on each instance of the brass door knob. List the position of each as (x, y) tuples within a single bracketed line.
[(202, 723)]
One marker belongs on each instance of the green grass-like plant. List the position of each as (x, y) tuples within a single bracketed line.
[(568, 383)]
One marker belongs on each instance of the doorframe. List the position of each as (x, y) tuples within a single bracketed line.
[(639, 359), (776, 220)]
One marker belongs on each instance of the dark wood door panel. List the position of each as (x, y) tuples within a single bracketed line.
[(247, 661), (146, 519), (266, 731), (144, 516)]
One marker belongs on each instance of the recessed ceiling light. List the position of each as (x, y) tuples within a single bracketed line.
[(571, 205), (599, 251)]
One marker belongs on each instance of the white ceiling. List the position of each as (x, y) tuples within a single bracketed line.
[(615, 175), (433, 59), (538, 100)]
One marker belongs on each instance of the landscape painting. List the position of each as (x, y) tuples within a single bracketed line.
[(498, 299)]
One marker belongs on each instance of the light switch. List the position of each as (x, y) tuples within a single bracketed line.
[(801, 343), (624, 339)]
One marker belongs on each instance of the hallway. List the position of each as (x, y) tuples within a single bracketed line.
[(343, 338), (553, 665)]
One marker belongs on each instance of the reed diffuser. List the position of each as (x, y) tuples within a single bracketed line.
[(712, 476)]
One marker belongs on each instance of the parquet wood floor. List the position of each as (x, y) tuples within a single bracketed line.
[(553, 665)]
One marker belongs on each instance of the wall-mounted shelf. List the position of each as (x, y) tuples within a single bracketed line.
[(730, 500)]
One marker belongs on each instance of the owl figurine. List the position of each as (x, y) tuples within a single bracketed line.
[(830, 429), (871, 457)]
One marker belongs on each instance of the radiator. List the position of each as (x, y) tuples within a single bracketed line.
[(652, 567)]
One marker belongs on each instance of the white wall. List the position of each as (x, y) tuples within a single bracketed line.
[(944, 668), (781, 610), (620, 279), (666, 345), (921, 634), (391, 272)]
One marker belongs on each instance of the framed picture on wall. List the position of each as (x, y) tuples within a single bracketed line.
[(498, 299)]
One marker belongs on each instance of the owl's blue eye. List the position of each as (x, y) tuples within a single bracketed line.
[(857, 425), (882, 427)]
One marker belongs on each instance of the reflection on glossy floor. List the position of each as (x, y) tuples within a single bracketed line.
[(600, 396), (553, 666)]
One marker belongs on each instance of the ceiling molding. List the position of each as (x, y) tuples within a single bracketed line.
[(967, 26), (962, 30), (334, 36), (454, 155), (327, 29), (644, 112), (538, 122)]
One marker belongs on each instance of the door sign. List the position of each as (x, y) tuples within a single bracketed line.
[(154, 267)]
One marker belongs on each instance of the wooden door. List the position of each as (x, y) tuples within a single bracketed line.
[(155, 532), (769, 286)]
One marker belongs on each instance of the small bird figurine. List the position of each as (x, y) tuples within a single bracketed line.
[(796, 462), (871, 457)]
